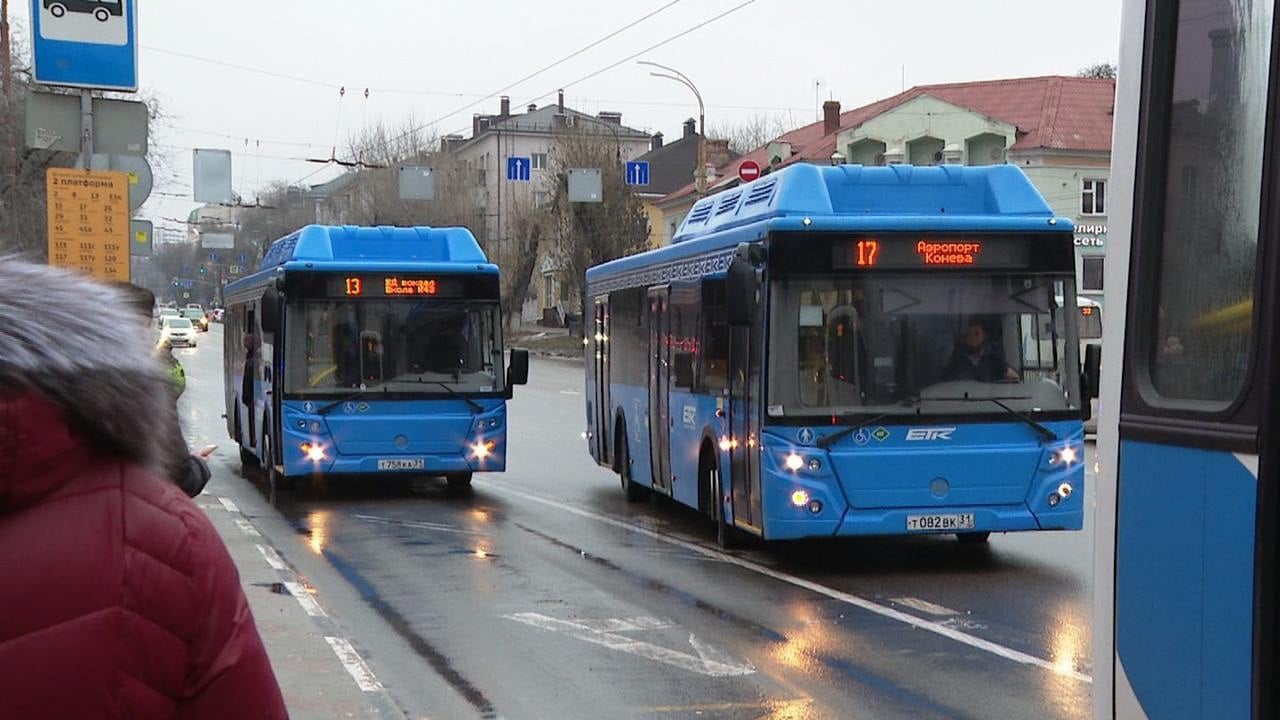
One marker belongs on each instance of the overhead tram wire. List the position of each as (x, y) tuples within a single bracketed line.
[(649, 49), (542, 70)]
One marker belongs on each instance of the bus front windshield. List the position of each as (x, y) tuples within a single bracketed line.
[(923, 345), (392, 346)]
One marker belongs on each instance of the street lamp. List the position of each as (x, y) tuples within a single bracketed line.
[(677, 76)]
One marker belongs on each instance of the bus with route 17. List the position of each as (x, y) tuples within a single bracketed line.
[(374, 352), (837, 351)]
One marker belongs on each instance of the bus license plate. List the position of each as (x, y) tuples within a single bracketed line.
[(407, 464), (939, 523)]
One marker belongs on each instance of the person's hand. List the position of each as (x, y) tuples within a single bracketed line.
[(1012, 375), (206, 452)]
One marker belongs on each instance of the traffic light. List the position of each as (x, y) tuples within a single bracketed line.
[(203, 269)]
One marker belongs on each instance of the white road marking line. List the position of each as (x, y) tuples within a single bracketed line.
[(700, 665), (272, 557), (417, 525), (858, 602), (230, 506), (570, 392), (247, 528), (354, 664), (926, 607), (305, 599), (626, 624)]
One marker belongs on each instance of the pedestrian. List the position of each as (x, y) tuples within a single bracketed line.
[(192, 475), (119, 599)]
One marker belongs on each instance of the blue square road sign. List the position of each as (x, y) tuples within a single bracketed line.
[(86, 43), (638, 173), (519, 169)]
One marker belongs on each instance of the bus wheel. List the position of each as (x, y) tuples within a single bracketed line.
[(977, 538), (275, 480), (458, 483), (57, 10), (726, 534), (102, 15), (248, 461), (635, 493)]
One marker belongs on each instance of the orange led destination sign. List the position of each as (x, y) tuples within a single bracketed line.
[(949, 254), (911, 253), (411, 286)]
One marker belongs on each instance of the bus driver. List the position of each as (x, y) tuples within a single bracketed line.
[(974, 359)]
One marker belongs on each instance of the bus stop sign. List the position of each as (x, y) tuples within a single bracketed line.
[(86, 43)]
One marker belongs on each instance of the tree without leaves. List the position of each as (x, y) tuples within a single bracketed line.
[(592, 233), (1102, 71), (753, 132)]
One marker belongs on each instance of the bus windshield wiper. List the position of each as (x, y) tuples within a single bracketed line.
[(836, 437), (475, 406), (1045, 432)]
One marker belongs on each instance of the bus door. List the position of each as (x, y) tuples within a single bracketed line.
[(744, 425), (601, 417), (660, 387)]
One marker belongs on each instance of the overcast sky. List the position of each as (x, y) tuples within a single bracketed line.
[(430, 58)]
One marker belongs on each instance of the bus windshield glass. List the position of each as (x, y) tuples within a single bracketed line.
[(392, 346), (930, 345)]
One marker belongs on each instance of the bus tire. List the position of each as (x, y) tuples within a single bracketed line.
[(102, 15), (275, 479), (248, 461), (726, 534), (58, 10), (633, 492), (458, 483), (975, 538)]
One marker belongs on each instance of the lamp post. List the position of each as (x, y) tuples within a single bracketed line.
[(677, 76)]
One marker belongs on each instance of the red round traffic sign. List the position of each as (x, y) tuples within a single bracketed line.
[(749, 170)]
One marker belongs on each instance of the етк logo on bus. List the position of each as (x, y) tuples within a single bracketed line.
[(930, 434)]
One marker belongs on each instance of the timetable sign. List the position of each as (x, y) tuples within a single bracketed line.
[(89, 222)]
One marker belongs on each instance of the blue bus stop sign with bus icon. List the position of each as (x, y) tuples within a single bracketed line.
[(86, 43)]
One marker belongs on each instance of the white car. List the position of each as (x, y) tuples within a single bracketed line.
[(178, 331)]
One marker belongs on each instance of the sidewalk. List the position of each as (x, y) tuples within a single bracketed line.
[(545, 341), (321, 675)]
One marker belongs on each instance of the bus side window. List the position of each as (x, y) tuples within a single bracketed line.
[(715, 325)]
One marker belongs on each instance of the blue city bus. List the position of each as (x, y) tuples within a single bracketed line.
[(1187, 492), (372, 352), (839, 351)]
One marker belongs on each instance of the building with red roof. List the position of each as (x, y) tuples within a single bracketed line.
[(1056, 128)]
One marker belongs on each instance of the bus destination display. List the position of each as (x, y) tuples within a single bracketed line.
[(390, 286), (911, 253)]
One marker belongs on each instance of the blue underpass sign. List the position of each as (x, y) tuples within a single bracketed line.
[(637, 172), (86, 43), (519, 169)]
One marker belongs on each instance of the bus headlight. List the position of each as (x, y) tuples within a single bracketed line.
[(313, 451), (482, 449), (800, 498), (1066, 456), (1065, 490), (795, 463)]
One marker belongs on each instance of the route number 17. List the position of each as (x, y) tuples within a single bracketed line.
[(868, 253)]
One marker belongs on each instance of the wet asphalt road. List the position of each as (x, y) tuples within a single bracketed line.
[(545, 595)]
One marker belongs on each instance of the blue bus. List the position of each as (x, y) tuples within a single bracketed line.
[(837, 351), (1188, 498), (371, 352)]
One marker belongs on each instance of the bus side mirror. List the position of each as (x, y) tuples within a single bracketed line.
[(1092, 376), (683, 369), (270, 317), (518, 372), (742, 288)]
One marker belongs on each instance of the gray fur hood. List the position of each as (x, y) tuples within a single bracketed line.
[(79, 345)]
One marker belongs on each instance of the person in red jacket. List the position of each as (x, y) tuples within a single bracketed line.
[(118, 598)]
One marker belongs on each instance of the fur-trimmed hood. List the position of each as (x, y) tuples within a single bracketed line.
[(76, 371)]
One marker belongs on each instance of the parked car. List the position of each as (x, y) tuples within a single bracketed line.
[(180, 332), (218, 314), (197, 318)]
